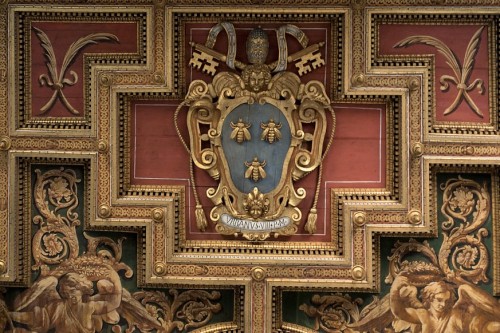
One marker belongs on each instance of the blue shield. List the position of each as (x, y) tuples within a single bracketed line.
[(274, 154)]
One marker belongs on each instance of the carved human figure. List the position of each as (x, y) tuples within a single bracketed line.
[(441, 311), (74, 309)]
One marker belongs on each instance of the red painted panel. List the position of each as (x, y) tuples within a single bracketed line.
[(357, 159), (61, 35), (457, 38)]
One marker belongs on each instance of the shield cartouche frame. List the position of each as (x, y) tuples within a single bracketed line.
[(257, 130)]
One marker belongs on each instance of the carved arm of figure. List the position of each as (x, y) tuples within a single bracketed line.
[(30, 305), (110, 294), (404, 302), (37, 320)]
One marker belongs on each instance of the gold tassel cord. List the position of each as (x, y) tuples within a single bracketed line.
[(201, 220), (310, 225)]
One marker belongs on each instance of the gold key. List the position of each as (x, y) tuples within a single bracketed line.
[(305, 62), (204, 62)]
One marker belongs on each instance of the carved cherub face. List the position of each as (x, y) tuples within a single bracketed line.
[(73, 287), (438, 296), (256, 81), (256, 77)]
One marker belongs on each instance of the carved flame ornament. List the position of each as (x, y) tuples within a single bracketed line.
[(257, 133)]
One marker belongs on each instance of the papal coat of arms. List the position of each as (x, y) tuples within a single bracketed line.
[(257, 130)]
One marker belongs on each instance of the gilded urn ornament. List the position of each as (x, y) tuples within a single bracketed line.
[(257, 129)]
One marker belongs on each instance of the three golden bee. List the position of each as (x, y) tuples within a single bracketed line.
[(271, 131), (255, 170), (240, 131)]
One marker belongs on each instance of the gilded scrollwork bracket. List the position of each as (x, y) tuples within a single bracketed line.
[(256, 133)]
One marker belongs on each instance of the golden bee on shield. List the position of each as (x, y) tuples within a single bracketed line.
[(240, 131), (255, 170), (271, 131)]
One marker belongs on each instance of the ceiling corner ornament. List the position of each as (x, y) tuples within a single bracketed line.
[(103, 146), (257, 130), (417, 149), (413, 84), (157, 215), (359, 219), (462, 72), (104, 211), (358, 273), (160, 269), (258, 273), (358, 79)]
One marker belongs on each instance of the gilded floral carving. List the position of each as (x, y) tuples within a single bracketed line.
[(82, 291), (56, 200), (180, 310)]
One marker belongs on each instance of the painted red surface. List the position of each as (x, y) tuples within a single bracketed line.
[(357, 159), (457, 38), (61, 36)]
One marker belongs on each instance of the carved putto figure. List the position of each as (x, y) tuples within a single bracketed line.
[(81, 295), (439, 293), (71, 305), (440, 310), (278, 138)]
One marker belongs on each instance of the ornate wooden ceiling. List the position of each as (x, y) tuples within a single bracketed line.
[(167, 177)]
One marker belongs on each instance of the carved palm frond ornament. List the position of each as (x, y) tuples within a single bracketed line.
[(56, 78), (257, 130), (461, 73)]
